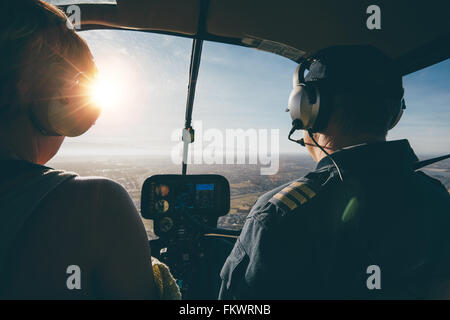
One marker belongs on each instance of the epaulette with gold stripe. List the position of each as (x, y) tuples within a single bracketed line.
[(294, 195)]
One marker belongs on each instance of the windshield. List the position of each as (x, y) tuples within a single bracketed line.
[(240, 92)]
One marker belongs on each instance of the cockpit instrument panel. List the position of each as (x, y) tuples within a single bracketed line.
[(170, 195)]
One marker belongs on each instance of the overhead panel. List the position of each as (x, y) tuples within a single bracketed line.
[(312, 25), (178, 16), (416, 34)]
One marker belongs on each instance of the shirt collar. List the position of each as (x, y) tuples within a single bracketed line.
[(386, 154)]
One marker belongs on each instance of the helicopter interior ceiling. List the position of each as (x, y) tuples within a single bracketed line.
[(416, 34)]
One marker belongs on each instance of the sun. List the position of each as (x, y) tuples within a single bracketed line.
[(114, 86), (105, 92)]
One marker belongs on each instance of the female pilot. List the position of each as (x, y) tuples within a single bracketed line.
[(61, 236)]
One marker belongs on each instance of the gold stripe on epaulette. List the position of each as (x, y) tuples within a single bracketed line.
[(304, 188), (288, 202), (295, 194)]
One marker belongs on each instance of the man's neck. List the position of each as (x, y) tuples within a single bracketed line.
[(338, 144), (333, 144)]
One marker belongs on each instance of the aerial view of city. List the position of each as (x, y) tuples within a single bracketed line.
[(246, 182)]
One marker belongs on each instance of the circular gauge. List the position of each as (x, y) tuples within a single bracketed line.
[(162, 190), (165, 224), (162, 206)]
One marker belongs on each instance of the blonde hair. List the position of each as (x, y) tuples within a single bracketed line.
[(38, 51)]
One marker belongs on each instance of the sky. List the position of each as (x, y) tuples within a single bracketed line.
[(237, 88)]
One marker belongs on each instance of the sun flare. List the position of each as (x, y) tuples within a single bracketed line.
[(105, 92), (114, 87)]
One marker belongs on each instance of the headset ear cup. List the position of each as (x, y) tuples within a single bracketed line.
[(304, 101), (322, 109), (301, 108), (322, 114), (398, 116), (295, 101), (56, 118), (296, 77), (68, 121)]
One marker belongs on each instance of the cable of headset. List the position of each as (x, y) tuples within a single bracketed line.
[(328, 155), (302, 143)]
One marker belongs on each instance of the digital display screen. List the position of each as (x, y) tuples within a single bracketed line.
[(166, 196), (205, 187), (205, 196), (183, 196)]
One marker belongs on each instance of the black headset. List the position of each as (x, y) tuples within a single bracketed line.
[(309, 102)]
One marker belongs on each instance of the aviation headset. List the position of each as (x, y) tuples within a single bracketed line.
[(57, 117), (310, 106), (61, 113)]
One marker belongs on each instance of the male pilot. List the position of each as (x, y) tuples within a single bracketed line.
[(364, 224)]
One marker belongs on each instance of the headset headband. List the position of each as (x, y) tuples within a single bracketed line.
[(299, 77)]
